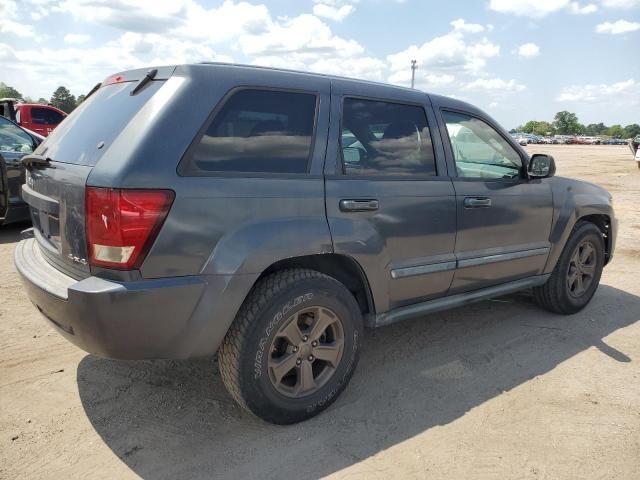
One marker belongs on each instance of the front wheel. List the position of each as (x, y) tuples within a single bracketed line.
[(293, 346), (577, 274)]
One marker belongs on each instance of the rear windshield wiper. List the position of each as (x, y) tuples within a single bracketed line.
[(150, 75), (36, 161)]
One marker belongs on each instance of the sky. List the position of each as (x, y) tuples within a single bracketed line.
[(517, 59)]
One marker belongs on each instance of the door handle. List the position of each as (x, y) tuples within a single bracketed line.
[(358, 205), (477, 202)]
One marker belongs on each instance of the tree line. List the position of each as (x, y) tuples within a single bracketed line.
[(567, 123), (62, 98)]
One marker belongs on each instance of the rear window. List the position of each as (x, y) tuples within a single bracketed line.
[(45, 116), (257, 131), (383, 138), (100, 118)]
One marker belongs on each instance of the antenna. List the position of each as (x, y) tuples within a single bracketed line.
[(413, 73)]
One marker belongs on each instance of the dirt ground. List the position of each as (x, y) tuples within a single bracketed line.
[(500, 389)]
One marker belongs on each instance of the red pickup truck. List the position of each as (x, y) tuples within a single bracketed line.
[(41, 119)]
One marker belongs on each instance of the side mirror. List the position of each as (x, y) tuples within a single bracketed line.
[(541, 166)]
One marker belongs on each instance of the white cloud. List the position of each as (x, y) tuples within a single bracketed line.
[(83, 67), (528, 50), (579, 9), (183, 18), (624, 4), (617, 28), (495, 84), (542, 8), (528, 8), (8, 25), (423, 80), (626, 92), (332, 12), (461, 26), (360, 67), (76, 38), (447, 52), (303, 35)]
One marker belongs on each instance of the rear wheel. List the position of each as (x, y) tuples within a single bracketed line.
[(293, 346), (577, 274)]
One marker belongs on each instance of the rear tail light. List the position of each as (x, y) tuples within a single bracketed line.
[(122, 224)]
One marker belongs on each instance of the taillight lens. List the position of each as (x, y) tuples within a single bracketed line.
[(122, 224)]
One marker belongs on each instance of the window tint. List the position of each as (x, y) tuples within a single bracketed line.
[(480, 151), (45, 116), (14, 139), (258, 131), (100, 118), (382, 138)]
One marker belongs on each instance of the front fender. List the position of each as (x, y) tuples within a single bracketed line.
[(573, 200), (253, 247)]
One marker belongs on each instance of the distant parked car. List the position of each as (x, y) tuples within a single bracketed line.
[(521, 139), (41, 119), (634, 145), (15, 143)]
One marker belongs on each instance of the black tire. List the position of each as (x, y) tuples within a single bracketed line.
[(556, 295), (244, 356)]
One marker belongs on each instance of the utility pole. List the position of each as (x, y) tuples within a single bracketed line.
[(413, 73)]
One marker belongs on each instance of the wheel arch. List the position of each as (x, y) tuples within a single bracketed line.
[(603, 222), (343, 268)]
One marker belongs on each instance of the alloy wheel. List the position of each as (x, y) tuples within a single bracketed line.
[(306, 352), (582, 269)]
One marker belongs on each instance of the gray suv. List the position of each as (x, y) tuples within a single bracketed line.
[(270, 215)]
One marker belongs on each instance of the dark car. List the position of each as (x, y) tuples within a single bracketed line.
[(15, 143), (270, 215)]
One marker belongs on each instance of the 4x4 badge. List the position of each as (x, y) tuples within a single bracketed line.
[(77, 259)]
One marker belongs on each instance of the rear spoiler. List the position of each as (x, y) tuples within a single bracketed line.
[(140, 75), (162, 73)]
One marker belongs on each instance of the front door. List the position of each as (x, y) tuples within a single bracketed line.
[(390, 203), (504, 218)]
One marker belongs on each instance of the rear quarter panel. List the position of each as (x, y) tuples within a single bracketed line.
[(230, 223)]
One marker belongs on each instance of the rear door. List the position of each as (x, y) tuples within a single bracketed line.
[(504, 218), (390, 203)]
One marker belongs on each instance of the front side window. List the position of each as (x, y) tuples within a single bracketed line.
[(13, 139), (46, 116), (383, 138), (258, 131), (479, 150)]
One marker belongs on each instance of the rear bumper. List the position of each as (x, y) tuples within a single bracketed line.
[(177, 317)]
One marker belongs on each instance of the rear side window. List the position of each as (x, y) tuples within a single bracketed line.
[(45, 116), (257, 131), (383, 138)]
